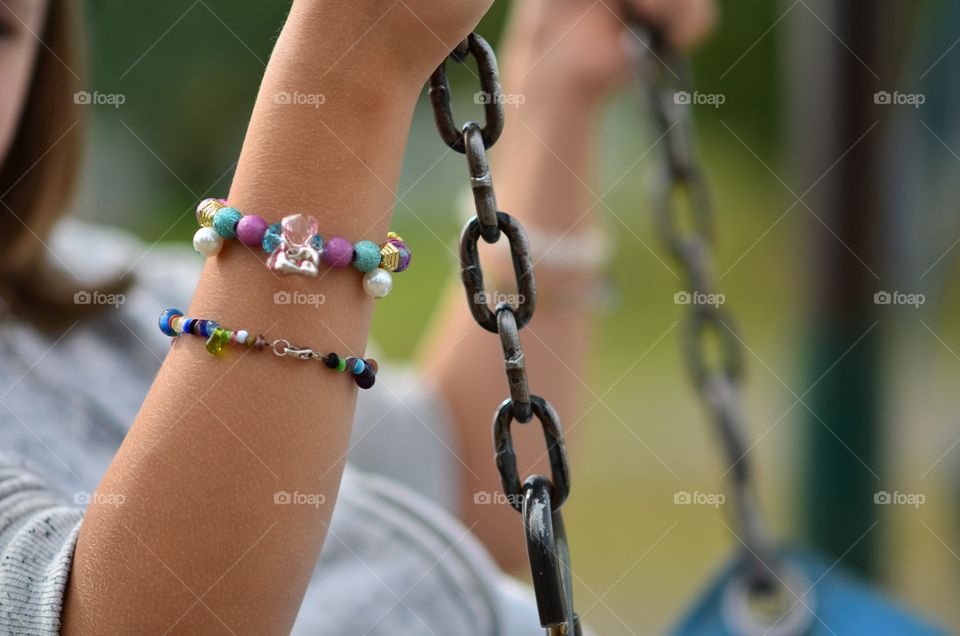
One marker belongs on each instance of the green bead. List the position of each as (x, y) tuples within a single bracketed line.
[(215, 341), (225, 222), (342, 365), (366, 256)]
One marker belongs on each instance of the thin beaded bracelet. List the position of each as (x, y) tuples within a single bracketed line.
[(174, 324), (295, 247)]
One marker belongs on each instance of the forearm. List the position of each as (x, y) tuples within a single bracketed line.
[(543, 162), (541, 169), (218, 436)]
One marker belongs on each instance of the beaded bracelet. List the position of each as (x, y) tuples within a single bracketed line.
[(295, 247), (174, 324)]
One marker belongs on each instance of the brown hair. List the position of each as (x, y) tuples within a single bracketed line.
[(39, 172)]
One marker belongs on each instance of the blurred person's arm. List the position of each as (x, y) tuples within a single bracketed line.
[(198, 543), (561, 58)]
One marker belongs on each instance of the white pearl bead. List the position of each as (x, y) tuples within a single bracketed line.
[(242, 336), (377, 282), (207, 241)]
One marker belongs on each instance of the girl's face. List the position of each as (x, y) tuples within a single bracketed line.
[(21, 27)]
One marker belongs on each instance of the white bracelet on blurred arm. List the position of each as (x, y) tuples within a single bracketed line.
[(570, 249)]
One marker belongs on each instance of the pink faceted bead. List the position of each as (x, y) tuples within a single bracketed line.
[(250, 230), (298, 229), (338, 252)]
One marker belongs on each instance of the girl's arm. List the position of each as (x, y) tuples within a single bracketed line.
[(198, 543)]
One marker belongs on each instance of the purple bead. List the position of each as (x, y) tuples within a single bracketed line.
[(405, 254), (366, 379), (338, 252), (250, 230)]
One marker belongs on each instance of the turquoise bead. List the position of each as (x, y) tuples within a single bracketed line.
[(271, 238), (366, 256), (225, 222)]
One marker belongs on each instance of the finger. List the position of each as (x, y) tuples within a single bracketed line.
[(684, 22), (650, 11), (692, 22)]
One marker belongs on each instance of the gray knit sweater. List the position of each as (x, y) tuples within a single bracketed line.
[(394, 561)]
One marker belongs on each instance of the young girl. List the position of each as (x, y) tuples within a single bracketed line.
[(210, 499)]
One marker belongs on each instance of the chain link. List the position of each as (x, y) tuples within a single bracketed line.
[(664, 77), (471, 272), (476, 47), (515, 364), (538, 498), (506, 457)]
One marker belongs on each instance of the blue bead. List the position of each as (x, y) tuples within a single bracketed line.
[(358, 366), (317, 242), (366, 256), (206, 327), (165, 318), (225, 222), (164, 322), (271, 238)]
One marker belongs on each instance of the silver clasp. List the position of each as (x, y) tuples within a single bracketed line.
[(282, 347)]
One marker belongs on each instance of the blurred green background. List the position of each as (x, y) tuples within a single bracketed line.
[(190, 70)]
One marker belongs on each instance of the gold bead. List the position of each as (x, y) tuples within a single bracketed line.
[(389, 257), (208, 209)]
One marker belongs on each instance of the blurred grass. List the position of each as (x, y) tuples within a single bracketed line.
[(640, 559)]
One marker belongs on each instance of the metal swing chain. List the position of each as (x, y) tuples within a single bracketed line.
[(538, 498), (664, 78)]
